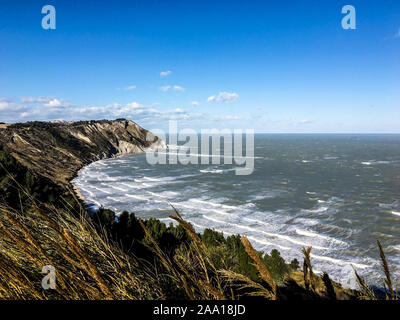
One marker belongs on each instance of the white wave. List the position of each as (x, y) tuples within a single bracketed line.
[(114, 199), (224, 206), (258, 221), (156, 195), (219, 171), (338, 261), (317, 210), (252, 238), (98, 204), (146, 185), (316, 235), (101, 163), (372, 162), (130, 185), (118, 188), (136, 197), (159, 201), (168, 194), (267, 243), (92, 176), (152, 179), (101, 190), (255, 239), (179, 204), (397, 247), (202, 155), (367, 163), (307, 233), (273, 235), (86, 190), (102, 177), (396, 213), (269, 195)]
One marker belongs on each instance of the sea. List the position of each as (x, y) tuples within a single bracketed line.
[(338, 193)]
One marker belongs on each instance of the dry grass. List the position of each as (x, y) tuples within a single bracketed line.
[(366, 292), (309, 278), (265, 275), (385, 267), (243, 283), (87, 266)]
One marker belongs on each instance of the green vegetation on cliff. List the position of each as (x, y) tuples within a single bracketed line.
[(13, 175)]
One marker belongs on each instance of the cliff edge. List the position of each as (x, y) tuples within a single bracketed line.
[(57, 150)]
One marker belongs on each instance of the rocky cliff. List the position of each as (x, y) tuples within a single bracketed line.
[(57, 150)]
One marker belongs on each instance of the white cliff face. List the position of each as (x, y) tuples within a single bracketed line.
[(125, 147)]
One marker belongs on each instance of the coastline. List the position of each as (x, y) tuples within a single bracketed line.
[(87, 205), (84, 202), (79, 195)]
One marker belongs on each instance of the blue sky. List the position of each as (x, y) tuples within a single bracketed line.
[(274, 66)]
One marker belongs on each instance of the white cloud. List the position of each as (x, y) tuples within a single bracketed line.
[(195, 103), (48, 108), (128, 88), (225, 118), (291, 121), (223, 97), (10, 111), (398, 34), (7, 105), (304, 121), (165, 73), (47, 101), (57, 103), (165, 88), (175, 88), (178, 88), (34, 100)]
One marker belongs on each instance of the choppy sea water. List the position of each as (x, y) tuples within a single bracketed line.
[(336, 193)]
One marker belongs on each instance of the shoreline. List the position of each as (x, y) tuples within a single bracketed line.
[(75, 190), (84, 202), (79, 195)]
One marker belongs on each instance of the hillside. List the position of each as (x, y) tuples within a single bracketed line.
[(57, 150)]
